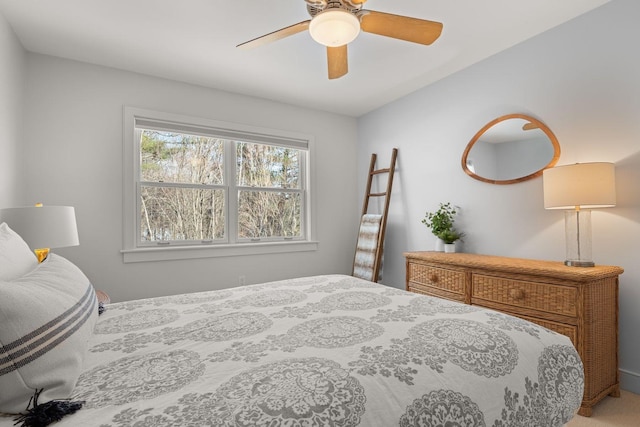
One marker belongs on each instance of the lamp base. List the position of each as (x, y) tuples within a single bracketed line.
[(573, 263), (577, 228)]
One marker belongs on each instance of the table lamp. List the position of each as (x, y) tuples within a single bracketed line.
[(43, 227), (579, 188)]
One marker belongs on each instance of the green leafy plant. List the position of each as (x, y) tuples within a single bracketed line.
[(440, 220), (450, 236), (441, 223)]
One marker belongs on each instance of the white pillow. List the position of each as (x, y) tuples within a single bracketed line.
[(46, 319), (16, 259)]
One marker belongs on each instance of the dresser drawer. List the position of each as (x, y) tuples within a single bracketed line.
[(544, 297), (570, 331), (432, 280)]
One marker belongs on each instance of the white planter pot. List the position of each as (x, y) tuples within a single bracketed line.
[(439, 245), (449, 247)]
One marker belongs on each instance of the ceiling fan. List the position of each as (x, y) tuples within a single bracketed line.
[(335, 23)]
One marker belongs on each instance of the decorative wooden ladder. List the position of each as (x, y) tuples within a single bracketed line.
[(367, 261)]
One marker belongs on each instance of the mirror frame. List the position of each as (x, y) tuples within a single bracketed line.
[(538, 123)]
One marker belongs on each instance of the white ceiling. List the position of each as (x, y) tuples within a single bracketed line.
[(194, 41)]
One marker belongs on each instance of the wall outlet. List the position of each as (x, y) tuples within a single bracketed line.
[(242, 280)]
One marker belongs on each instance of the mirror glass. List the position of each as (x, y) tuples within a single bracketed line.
[(510, 149)]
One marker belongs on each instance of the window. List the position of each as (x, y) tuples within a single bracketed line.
[(198, 188)]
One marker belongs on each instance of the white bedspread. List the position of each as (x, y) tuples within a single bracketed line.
[(322, 351)]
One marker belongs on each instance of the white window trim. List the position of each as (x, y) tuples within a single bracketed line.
[(132, 252)]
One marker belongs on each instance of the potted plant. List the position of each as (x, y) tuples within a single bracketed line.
[(449, 238), (441, 224)]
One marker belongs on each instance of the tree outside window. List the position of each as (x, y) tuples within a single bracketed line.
[(208, 189)]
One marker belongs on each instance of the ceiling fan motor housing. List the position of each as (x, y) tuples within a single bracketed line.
[(316, 6)]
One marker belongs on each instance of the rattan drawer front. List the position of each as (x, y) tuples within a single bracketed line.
[(436, 292), (566, 330), (441, 278), (537, 296)]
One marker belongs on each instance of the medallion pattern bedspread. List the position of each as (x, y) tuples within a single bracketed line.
[(322, 351)]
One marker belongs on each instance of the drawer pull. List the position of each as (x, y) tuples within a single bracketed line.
[(517, 294), (434, 278)]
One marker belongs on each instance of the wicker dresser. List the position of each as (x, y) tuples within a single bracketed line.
[(581, 303)]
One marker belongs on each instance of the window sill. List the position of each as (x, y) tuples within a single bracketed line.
[(195, 252)]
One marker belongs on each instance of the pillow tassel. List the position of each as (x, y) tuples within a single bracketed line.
[(44, 414)]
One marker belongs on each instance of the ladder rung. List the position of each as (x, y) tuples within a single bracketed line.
[(377, 194), (386, 170)]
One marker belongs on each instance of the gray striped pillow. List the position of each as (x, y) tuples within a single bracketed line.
[(46, 319)]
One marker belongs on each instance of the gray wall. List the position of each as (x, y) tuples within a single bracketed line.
[(12, 58), (73, 142), (583, 80)]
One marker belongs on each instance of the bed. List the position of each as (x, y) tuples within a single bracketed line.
[(328, 350)]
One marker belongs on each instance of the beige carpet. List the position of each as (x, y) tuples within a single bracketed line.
[(623, 411)]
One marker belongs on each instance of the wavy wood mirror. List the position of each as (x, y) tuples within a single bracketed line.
[(510, 149)]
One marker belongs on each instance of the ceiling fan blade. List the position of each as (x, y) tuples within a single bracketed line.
[(276, 35), (337, 61), (401, 27)]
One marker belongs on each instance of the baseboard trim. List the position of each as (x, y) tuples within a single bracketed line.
[(630, 381)]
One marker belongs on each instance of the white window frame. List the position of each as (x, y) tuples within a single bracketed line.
[(135, 251)]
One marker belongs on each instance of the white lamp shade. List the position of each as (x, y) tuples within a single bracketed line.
[(583, 185), (43, 226), (334, 27)]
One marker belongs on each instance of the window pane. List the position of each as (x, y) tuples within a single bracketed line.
[(263, 214), (168, 213), (181, 158), (267, 166)]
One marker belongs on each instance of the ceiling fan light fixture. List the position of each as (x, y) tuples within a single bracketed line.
[(334, 27)]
